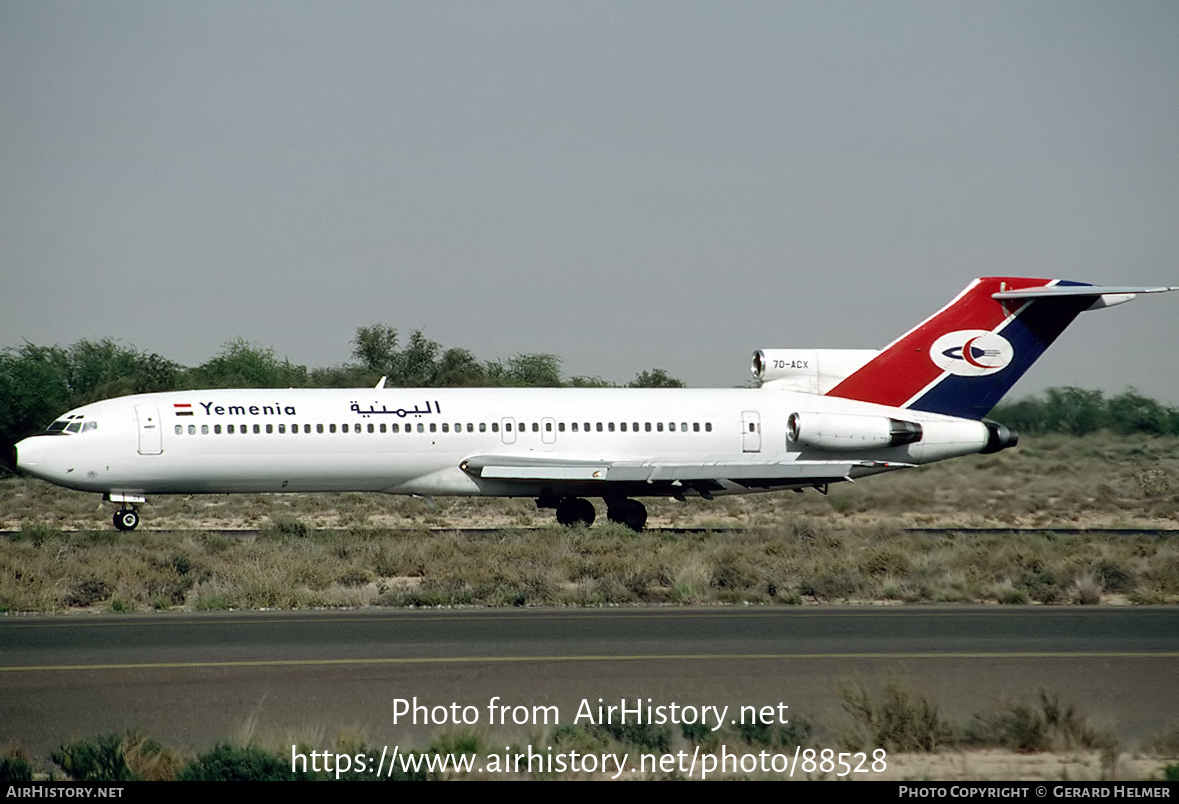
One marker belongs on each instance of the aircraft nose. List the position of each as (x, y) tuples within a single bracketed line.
[(13, 456), (23, 456)]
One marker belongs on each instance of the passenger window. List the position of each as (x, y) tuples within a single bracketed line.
[(695, 427), (708, 427), (659, 426), (445, 428), (269, 429), (179, 430), (622, 426), (396, 428), (599, 427), (574, 426), (319, 428), (382, 427), (535, 427), (257, 429), (610, 426), (343, 428), (282, 428), (331, 428), (192, 429), (229, 429), (561, 427), (482, 427), (433, 427), (647, 426), (204, 429), (421, 428), (495, 427)]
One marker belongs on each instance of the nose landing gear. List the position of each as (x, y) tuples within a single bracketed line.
[(126, 518)]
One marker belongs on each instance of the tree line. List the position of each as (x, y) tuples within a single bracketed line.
[(38, 383), (1077, 411)]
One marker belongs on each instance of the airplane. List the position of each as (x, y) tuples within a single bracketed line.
[(820, 416)]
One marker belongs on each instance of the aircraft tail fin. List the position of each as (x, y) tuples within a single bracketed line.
[(962, 360)]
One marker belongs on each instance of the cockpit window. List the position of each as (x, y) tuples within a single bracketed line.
[(72, 424)]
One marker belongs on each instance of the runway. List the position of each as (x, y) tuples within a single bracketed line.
[(190, 680)]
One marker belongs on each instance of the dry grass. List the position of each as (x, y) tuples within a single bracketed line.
[(285, 565), (360, 549)]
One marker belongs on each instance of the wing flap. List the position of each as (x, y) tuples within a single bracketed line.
[(782, 467)]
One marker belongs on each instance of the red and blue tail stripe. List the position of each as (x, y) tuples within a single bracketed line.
[(964, 358)]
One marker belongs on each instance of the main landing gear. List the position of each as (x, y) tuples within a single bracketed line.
[(578, 511), (575, 511), (126, 518), (631, 513)]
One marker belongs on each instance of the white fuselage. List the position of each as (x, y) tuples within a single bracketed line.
[(417, 441)]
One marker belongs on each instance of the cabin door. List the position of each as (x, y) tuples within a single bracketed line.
[(750, 431), (150, 440)]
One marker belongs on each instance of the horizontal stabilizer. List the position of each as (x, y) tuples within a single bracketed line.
[(1075, 290)]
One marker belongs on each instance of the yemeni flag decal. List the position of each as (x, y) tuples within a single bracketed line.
[(182, 408)]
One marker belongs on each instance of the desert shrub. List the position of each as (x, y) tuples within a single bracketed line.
[(897, 719), (97, 760), (1047, 725), (233, 763), (15, 769)]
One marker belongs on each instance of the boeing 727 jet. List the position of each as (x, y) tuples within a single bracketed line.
[(821, 416)]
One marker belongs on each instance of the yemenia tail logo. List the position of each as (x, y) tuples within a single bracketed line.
[(971, 352)]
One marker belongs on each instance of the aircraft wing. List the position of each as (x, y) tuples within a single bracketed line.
[(783, 468)]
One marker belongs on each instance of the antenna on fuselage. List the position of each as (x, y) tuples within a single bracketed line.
[(381, 383)]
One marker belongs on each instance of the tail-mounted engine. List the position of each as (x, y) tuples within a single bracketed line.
[(841, 431), (812, 371), (999, 436)]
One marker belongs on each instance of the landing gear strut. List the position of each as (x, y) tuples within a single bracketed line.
[(126, 518), (631, 513)]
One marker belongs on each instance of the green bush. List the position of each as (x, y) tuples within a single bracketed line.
[(97, 760), (231, 763), (15, 769)]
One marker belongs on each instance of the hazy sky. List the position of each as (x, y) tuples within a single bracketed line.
[(626, 185)]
